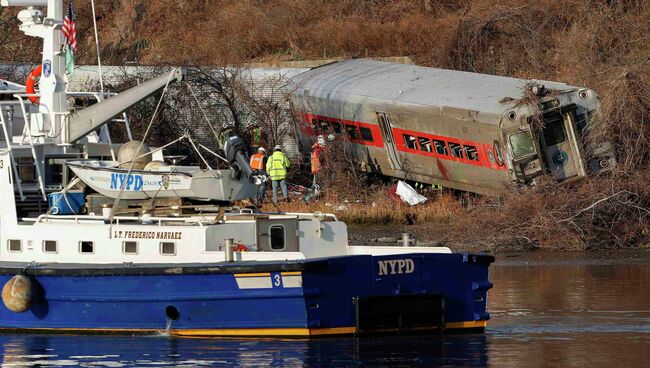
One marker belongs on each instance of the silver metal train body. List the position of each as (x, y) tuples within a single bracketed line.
[(467, 131)]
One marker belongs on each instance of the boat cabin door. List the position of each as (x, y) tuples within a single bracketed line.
[(277, 235), (389, 142), (559, 144)]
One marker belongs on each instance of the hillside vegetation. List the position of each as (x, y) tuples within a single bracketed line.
[(601, 44)]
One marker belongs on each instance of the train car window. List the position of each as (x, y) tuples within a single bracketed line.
[(352, 131), (456, 150), (324, 126), (471, 153), (409, 141), (522, 145), (554, 130), (441, 147), (366, 134), (338, 129), (315, 126), (425, 144)]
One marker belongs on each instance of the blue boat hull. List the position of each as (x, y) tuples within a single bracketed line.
[(294, 298)]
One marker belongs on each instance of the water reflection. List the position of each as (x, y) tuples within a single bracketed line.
[(570, 310), (116, 351)]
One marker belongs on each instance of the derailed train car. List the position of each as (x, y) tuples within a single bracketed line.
[(467, 131)]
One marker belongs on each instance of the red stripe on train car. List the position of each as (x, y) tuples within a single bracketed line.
[(346, 126), (483, 150)]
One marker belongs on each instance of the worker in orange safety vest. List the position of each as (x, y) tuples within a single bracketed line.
[(258, 164), (317, 150)]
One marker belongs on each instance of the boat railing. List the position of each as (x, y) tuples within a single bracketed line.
[(144, 220), (310, 216)]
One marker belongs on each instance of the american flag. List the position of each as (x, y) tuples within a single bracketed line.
[(69, 28)]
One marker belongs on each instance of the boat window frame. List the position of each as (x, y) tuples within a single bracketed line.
[(284, 238), (160, 248), (20, 245), (137, 247), (56, 246), (92, 244)]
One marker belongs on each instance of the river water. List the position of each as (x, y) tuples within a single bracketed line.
[(548, 310)]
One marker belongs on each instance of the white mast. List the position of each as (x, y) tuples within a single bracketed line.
[(53, 105)]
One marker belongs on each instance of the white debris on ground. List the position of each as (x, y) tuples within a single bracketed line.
[(408, 194)]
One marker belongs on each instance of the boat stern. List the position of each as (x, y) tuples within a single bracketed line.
[(396, 293)]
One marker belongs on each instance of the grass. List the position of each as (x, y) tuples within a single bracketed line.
[(378, 209)]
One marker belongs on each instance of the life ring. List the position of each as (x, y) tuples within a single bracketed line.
[(30, 83), (240, 248)]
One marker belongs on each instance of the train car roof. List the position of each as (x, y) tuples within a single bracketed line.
[(412, 84)]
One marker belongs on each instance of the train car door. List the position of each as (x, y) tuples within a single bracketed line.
[(389, 142), (560, 145)]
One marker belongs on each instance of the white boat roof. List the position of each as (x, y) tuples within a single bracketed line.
[(412, 84)]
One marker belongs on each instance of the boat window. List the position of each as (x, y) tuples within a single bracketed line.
[(471, 153), (366, 134), (26, 169), (522, 145), (276, 235), (167, 248), (441, 147), (409, 141), (456, 150), (352, 131), (14, 245), (86, 247), (425, 144), (130, 247), (50, 246)]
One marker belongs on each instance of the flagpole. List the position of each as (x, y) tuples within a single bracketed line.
[(99, 60)]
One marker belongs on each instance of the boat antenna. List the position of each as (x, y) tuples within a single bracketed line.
[(99, 59), (144, 137)]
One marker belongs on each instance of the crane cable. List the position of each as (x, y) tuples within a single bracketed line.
[(144, 137)]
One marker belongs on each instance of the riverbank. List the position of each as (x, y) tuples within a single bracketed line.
[(596, 213)]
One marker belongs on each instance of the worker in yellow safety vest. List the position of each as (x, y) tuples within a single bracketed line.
[(276, 167), (258, 164)]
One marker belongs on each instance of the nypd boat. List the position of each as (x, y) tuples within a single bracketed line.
[(185, 269), (107, 178)]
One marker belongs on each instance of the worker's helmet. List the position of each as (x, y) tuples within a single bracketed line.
[(321, 140), (277, 148), (261, 149)]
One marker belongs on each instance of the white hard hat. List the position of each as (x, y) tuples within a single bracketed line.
[(261, 149), (278, 148)]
